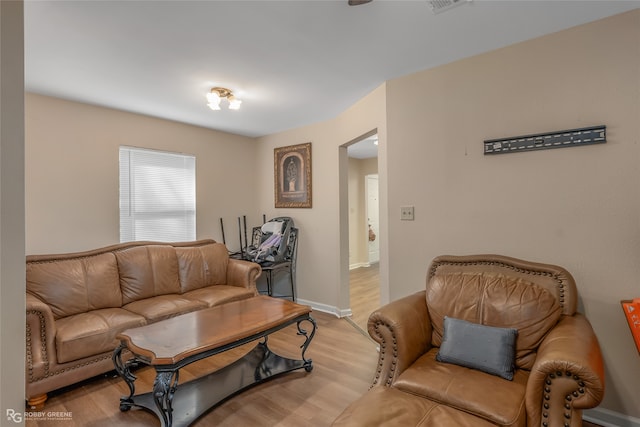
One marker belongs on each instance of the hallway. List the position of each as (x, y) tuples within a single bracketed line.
[(364, 294)]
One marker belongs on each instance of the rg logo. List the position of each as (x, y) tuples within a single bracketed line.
[(14, 416)]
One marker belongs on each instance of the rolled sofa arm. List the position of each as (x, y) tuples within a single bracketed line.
[(567, 376), (243, 274), (403, 330), (41, 333)]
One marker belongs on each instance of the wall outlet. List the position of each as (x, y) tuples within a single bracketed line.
[(406, 213)]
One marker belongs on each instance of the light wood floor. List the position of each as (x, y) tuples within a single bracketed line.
[(344, 364), (364, 293)]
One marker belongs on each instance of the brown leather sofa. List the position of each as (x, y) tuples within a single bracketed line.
[(556, 359), (78, 302)]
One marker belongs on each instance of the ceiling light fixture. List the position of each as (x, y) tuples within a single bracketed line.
[(214, 97)]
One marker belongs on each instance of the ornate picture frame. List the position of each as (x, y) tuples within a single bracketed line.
[(292, 176)]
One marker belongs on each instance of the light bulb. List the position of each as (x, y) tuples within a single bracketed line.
[(234, 103), (213, 100)]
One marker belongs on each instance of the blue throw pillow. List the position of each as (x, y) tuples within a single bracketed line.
[(486, 348)]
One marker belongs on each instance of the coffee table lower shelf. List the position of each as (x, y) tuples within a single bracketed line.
[(196, 397)]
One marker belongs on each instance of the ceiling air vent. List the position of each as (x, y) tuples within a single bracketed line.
[(438, 6)]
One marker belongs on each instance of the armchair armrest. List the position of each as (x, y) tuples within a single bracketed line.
[(567, 376), (41, 333), (243, 274), (403, 330)]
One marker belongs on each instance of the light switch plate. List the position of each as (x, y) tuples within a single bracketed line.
[(406, 213)]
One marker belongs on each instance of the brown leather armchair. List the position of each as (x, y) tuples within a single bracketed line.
[(557, 367)]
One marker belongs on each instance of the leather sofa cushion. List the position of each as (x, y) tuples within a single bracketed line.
[(495, 300), (467, 389), (77, 285), (91, 333), (163, 306), (147, 271), (219, 294), (202, 266), (390, 407)]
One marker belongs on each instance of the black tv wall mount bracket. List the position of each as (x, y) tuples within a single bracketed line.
[(544, 141)]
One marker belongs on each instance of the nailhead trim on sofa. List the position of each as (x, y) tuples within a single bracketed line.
[(44, 351), (546, 405)]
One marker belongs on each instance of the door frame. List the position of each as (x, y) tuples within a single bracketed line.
[(343, 192)]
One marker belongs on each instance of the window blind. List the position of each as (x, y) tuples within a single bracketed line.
[(157, 195)]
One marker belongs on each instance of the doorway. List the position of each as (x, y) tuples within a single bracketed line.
[(372, 211), (364, 229)]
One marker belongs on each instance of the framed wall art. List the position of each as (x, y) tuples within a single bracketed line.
[(292, 176)]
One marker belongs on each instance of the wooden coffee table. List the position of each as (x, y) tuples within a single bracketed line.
[(173, 343)]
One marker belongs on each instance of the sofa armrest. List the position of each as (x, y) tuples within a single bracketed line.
[(41, 333), (403, 330), (243, 274), (567, 376)]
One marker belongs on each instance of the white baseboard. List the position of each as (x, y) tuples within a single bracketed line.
[(359, 265), (607, 418), (325, 308)]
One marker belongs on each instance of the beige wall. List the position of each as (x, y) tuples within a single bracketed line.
[(324, 238), (12, 272), (358, 236), (72, 173), (577, 207)]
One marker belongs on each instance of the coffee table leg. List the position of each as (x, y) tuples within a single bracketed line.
[(123, 369), (164, 387), (308, 363)]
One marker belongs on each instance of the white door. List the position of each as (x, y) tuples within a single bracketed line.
[(373, 218)]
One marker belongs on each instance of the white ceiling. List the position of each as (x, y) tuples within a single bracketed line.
[(364, 149), (293, 63)]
